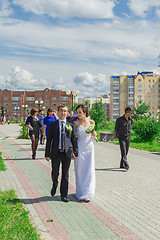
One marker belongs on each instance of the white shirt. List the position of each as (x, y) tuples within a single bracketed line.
[(60, 122)]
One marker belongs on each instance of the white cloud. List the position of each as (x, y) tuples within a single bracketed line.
[(22, 79), (91, 85), (141, 7), (69, 8), (5, 9), (128, 53)]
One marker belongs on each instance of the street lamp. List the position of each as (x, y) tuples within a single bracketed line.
[(68, 92), (39, 103), (158, 115), (24, 106)]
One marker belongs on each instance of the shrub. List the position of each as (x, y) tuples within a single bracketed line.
[(23, 131), (146, 130)]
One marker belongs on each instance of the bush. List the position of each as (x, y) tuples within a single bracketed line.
[(23, 131), (146, 130)]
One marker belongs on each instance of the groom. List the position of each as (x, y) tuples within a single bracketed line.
[(61, 146)]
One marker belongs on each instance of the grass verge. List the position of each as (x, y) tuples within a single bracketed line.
[(14, 220), (2, 165)]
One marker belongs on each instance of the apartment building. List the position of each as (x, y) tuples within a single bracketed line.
[(127, 90), (17, 104)]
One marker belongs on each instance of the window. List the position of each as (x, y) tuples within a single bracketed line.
[(153, 80), (139, 85), (46, 94), (149, 86), (64, 98), (149, 96), (115, 101), (139, 96), (15, 104), (5, 104), (15, 98), (124, 96), (153, 107), (139, 80), (5, 99), (124, 90), (46, 102), (153, 86), (124, 101), (149, 102), (53, 98), (29, 98), (149, 80), (139, 91), (152, 112), (53, 104), (124, 85), (153, 102)]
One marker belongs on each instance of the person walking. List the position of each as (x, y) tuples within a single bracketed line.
[(41, 120), (47, 120), (61, 146), (123, 128), (34, 126), (85, 163)]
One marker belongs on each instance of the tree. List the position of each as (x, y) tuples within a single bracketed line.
[(97, 113), (141, 111), (146, 130)]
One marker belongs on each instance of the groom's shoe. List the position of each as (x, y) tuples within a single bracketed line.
[(53, 191), (64, 199)]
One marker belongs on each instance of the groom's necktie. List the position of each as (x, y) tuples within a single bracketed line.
[(62, 135)]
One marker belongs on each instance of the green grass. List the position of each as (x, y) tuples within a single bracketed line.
[(2, 166), (152, 146), (14, 220)]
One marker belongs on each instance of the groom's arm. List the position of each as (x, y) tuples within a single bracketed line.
[(74, 141), (49, 141)]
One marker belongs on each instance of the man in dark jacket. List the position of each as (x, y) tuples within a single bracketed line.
[(61, 146), (123, 128)]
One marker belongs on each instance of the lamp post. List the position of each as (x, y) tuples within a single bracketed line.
[(24, 106), (158, 115), (68, 92), (39, 103)]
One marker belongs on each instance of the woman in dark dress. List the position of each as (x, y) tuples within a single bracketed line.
[(34, 125)]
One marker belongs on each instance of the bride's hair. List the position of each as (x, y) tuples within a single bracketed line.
[(84, 108)]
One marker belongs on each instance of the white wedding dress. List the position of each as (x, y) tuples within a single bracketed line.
[(85, 166)]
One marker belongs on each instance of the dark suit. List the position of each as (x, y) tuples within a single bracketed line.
[(52, 151)]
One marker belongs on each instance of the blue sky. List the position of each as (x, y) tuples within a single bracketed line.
[(76, 44)]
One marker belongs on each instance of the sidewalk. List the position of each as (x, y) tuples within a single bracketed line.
[(126, 204)]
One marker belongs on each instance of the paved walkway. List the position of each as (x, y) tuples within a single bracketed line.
[(126, 204)]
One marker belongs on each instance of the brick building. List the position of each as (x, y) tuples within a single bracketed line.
[(17, 104)]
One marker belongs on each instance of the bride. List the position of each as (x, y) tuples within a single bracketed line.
[(85, 163)]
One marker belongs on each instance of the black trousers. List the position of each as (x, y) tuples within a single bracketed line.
[(61, 158), (124, 146)]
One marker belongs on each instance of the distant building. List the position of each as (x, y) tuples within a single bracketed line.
[(105, 100), (17, 104), (127, 90)]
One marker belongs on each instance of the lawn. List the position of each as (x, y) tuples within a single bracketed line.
[(152, 146), (2, 166), (14, 220)]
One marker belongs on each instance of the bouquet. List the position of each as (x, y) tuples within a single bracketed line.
[(90, 129), (68, 128)]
